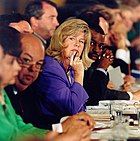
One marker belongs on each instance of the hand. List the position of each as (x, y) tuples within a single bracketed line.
[(128, 83), (106, 59), (110, 85), (51, 136), (76, 63), (22, 27), (129, 79), (74, 133), (78, 67), (78, 133), (136, 95), (81, 118), (127, 86)]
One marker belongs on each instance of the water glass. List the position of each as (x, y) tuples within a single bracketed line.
[(120, 128)]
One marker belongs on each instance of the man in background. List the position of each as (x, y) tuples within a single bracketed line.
[(42, 16)]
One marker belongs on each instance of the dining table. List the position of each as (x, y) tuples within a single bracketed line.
[(107, 129)]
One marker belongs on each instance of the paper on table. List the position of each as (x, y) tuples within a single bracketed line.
[(100, 125), (116, 77)]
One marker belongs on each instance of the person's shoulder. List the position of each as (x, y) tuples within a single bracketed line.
[(50, 60), (51, 64), (11, 90)]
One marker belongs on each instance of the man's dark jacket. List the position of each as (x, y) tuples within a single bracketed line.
[(95, 83)]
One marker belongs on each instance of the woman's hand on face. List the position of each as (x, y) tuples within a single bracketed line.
[(76, 63), (78, 67)]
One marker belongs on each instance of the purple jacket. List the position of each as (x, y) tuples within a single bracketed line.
[(59, 97)]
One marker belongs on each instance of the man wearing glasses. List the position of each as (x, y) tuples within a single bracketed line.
[(30, 60)]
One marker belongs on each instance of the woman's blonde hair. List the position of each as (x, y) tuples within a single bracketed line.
[(68, 28)]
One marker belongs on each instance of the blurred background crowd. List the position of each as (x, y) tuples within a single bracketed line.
[(67, 49), (70, 8)]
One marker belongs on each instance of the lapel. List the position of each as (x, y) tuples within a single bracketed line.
[(68, 76)]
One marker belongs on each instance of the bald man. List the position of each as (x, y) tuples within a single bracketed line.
[(31, 61)]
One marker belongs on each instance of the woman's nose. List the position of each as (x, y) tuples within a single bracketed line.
[(77, 43)]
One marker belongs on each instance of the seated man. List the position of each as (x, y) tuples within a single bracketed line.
[(30, 62), (12, 125), (96, 77)]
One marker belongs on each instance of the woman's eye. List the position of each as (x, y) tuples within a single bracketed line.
[(72, 38), (81, 41)]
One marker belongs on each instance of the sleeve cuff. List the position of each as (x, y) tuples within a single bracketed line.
[(57, 127), (131, 95)]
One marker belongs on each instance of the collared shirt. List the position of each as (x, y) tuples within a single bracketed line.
[(42, 39), (123, 55)]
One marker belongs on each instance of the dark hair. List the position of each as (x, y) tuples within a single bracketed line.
[(92, 19), (10, 41), (34, 9), (109, 3), (6, 19), (104, 12)]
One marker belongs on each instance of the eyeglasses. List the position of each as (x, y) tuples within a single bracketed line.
[(28, 63), (93, 43)]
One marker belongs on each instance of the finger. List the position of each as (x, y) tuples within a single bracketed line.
[(77, 60), (71, 58), (86, 139), (87, 118), (86, 132), (51, 136)]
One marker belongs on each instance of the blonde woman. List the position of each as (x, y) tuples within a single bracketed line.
[(60, 85)]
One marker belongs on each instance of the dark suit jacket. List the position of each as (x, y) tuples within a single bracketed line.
[(123, 65), (95, 83), (25, 104), (51, 97)]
